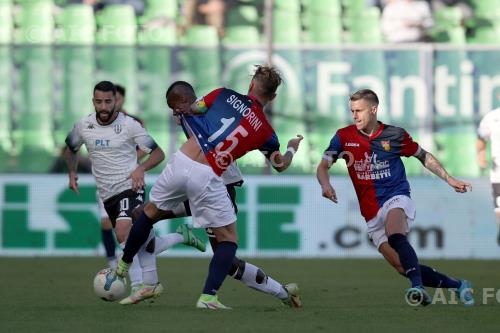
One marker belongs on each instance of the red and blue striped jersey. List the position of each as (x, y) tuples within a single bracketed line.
[(233, 125), (374, 163)]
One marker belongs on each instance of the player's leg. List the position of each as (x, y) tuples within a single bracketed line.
[(122, 228), (430, 276), (183, 234), (219, 266), (255, 278), (496, 203), (108, 239)]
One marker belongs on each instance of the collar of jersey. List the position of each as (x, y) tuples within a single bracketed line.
[(98, 123), (374, 135)]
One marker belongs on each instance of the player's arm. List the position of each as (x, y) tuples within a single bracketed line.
[(324, 179), (483, 134), (481, 153), (431, 163), (281, 162), (200, 106), (71, 158), (147, 144), (73, 143), (329, 158)]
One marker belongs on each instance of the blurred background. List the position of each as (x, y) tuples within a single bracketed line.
[(434, 64)]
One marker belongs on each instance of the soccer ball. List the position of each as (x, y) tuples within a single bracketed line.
[(108, 286)]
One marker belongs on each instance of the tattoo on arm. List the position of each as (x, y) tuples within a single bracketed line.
[(432, 164)]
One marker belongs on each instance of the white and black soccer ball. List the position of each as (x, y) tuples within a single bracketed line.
[(109, 287)]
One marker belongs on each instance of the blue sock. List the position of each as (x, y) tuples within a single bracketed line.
[(408, 258), (138, 235), (434, 279), (109, 242), (219, 266)]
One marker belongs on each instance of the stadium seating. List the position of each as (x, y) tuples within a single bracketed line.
[(241, 34), (322, 20), (36, 24), (34, 134), (457, 151), (155, 9), (6, 22), (5, 107), (242, 15), (447, 26), (203, 57), (78, 25), (286, 22), (117, 25), (364, 26)]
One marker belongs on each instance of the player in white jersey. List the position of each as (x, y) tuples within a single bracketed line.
[(111, 139), (489, 130)]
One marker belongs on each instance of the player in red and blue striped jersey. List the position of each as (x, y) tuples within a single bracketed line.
[(372, 151), (223, 126)]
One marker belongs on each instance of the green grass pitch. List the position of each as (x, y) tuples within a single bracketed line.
[(55, 295)]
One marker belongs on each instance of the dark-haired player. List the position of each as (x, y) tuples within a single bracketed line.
[(223, 126)]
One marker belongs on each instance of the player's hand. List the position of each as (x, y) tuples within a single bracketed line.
[(294, 143), (73, 182), (459, 186), (329, 192), (137, 177)]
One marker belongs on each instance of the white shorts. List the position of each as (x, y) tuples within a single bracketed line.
[(100, 208), (184, 179), (376, 226)]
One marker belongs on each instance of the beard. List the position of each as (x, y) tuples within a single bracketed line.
[(104, 116)]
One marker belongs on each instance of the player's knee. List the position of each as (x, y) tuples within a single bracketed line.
[(237, 268), (261, 277), (137, 212)]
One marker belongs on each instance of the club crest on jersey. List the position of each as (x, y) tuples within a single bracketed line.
[(118, 128), (386, 145), (90, 126)]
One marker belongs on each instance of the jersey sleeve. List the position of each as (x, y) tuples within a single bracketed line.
[(484, 129), (141, 137), (334, 149), (74, 140), (204, 103), (272, 145), (408, 146)]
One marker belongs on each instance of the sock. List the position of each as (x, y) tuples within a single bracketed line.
[(408, 258), (147, 261), (167, 241), (255, 278), (109, 242), (219, 266), (134, 271), (434, 279), (138, 235)]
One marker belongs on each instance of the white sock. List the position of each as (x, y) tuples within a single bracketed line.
[(148, 263), (167, 241), (134, 270), (268, 286)]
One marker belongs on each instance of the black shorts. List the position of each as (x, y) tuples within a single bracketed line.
[(231, 190), (496, 195), (122, 205)]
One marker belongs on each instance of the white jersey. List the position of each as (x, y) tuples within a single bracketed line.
[(489, 129), (232, 174), (112, 150)]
